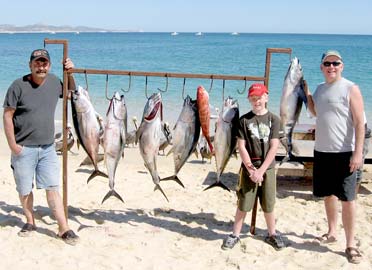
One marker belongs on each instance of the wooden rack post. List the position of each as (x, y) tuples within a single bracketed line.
[(64, 120)]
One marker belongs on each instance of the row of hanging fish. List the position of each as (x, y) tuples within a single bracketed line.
[(151, 134), (192, 126)]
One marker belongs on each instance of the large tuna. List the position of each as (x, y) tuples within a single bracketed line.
[(114, 139), (148, 136), (87, 127), (225, 138), (293, 96), (186, 134)]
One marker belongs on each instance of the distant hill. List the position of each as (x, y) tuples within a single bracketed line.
[(43, 28)]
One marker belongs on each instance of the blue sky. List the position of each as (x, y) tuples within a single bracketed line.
[(271, 16)]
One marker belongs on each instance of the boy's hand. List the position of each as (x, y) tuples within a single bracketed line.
[(257, 176)]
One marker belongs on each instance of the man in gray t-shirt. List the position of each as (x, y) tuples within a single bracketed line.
[(29, 109), (338, 152)]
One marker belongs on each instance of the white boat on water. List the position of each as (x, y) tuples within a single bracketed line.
[(199, 34), (174, 33), (234, 33)]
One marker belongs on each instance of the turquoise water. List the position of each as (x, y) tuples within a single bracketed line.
[(211, 53)]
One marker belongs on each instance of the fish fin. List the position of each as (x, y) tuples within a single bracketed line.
[(175, 178), (96, 173), (86, 161), (217, 184), (158, 187), (123, 135), (112, 192), (170, 151)]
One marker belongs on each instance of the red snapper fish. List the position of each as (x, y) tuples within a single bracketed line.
[(202, 100)]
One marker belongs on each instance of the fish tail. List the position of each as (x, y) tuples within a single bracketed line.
[(96, 173), (175, 178), (158, 187), (112, 192), (217, 184)]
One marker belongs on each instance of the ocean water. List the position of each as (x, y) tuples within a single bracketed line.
[(211, 53)]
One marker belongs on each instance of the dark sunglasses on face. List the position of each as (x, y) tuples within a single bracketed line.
[(328, 64)]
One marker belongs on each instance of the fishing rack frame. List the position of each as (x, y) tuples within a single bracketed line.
[(66, 73)]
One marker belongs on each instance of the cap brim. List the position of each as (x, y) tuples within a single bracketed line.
[(40, 57), (328, 55)]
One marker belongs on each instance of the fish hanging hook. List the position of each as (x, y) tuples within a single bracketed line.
[(129, 83), (245, 87), (106, 89), (86, 79), (146, 88), (183, 88), (166, 85), (210, 87)]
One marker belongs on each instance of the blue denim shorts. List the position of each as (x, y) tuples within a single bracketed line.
[(36, 162)]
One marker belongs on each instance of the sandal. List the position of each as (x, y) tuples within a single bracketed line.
[(27, 230), (326, 239), (353, 255), (69, 237)]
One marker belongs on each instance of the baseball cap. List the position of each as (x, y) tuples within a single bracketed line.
[(39, 53), (329, 53), (257, 89)]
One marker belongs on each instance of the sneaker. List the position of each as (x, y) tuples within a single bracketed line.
[(275, 241), (230, 242)]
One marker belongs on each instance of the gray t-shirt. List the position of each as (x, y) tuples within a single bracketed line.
[(334, 122), (34, 109)]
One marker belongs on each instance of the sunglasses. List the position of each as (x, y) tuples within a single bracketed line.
[(328, 64)]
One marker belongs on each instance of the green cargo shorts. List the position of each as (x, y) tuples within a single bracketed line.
[(247, 191)]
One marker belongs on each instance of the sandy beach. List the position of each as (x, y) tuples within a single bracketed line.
[(147, 232)]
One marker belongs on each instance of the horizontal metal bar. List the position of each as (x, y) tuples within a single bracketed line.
[(167, 74)]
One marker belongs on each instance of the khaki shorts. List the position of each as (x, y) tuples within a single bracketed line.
[(247, 190)]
